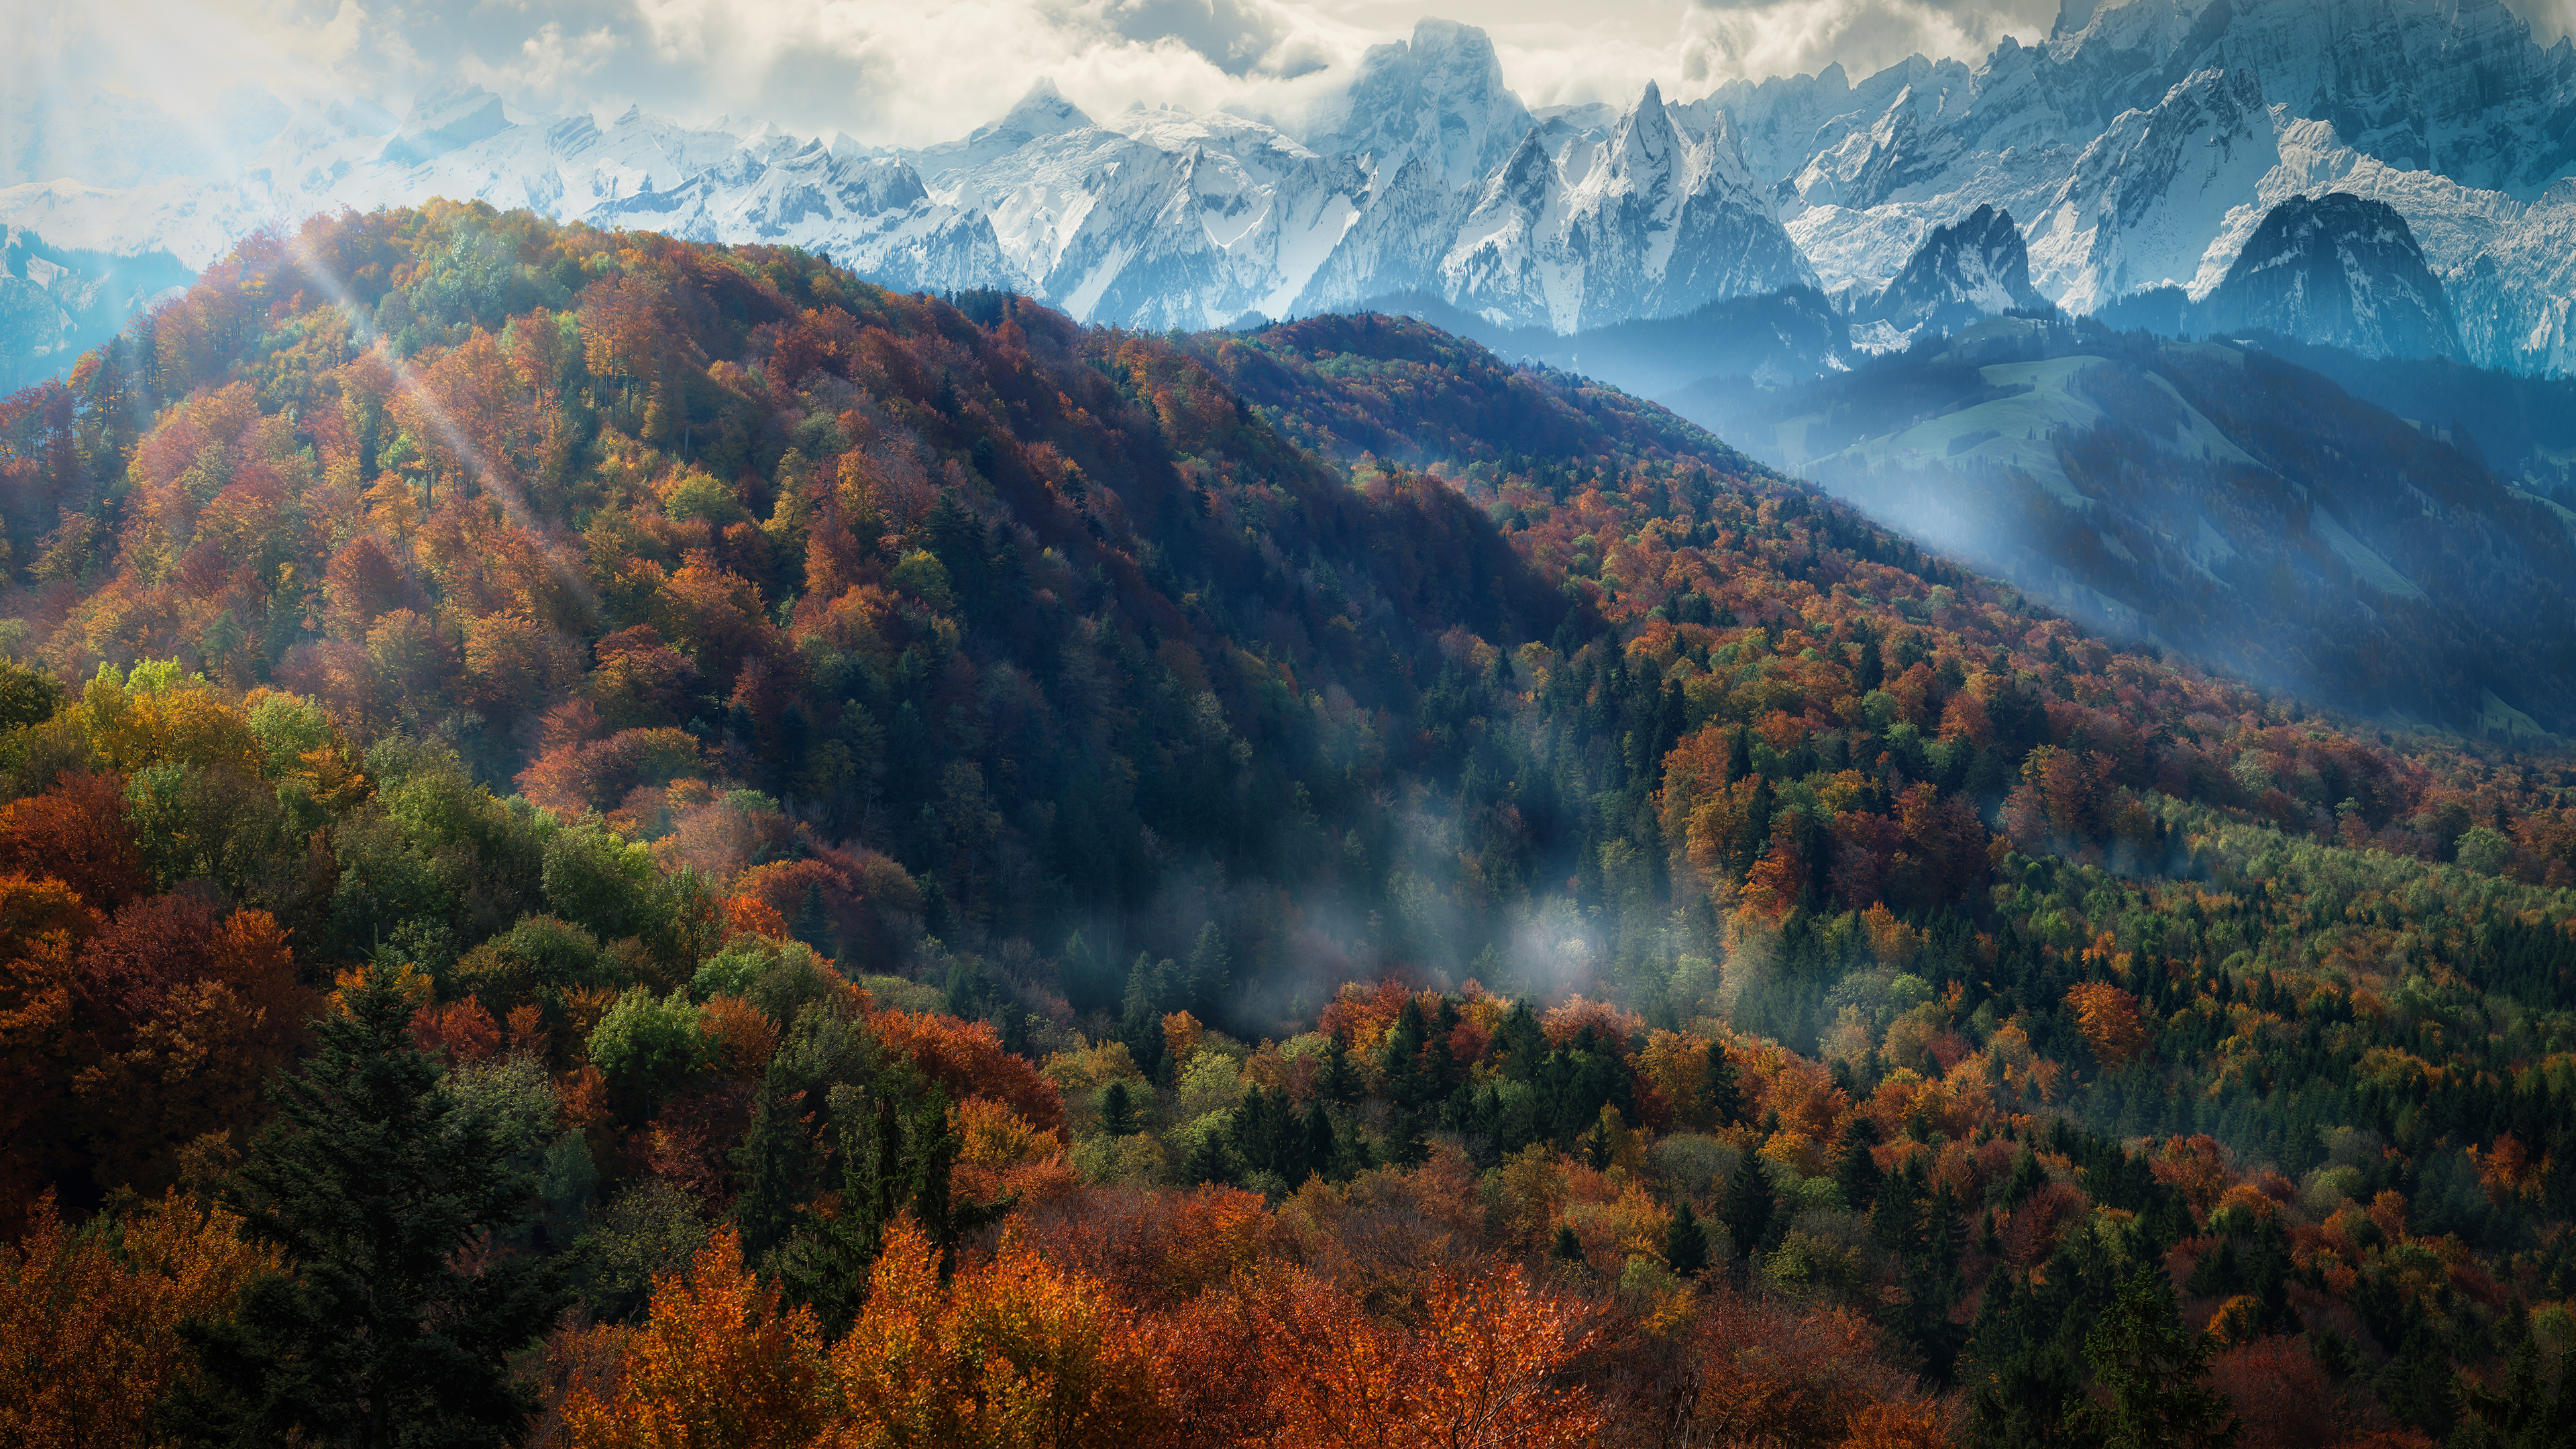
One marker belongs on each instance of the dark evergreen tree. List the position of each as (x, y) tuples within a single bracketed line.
[(1352, 1154), (897, 1157), (2417, 1383), (372, 1182), (2028, 1177), (1406, 1146), (1339, 1080), (1932, 1284), (1117, 1110), (2519, 1414), (1268, 1135), (777, 1156), (1211, 969), (2024, 1397), (1207, 1161), (1896, 1218), (1320, 1144), (1442, 1072), (1596, 1145), (1522, 1042), (1686, 1242), (1406, 1082), (1748, 1206), (2152, 1368), (1720, 1097), (1857, 1174)]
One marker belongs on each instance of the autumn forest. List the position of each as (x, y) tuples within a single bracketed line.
[(617, 842)]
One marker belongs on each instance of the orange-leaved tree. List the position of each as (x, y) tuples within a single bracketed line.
[(717, 1366), (42, 923), (968, 1058), (184, 1013), (77, 832), (89, 1318), (2110, 1021), (1481, 1363), (1770, 1374), (1013, 1352)]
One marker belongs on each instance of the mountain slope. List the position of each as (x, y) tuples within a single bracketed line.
[(56, 303), (2219, 501)]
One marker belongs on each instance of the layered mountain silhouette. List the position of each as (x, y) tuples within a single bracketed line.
[(2137, 151)]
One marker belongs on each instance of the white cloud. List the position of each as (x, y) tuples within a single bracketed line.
[(2550, 19), (927, 71), (551, 67), (931, 72), (1726, 40)]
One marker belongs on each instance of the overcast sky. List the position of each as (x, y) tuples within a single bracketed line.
[(915, 73)]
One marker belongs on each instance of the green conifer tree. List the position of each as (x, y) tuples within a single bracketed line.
[(1748, 1206), (897, 1157), (2028, 1177), (1406, 1146), (1596, 1145), (1207, 1161), (2153, 1368), (1896, 1218), (1321, 1145), (1522, 1041), (1721, 1099), (1857, 1174), (1117, 1110), (371, 1182), (1352, 1154), (1211, 968), (1405, 1081), (1686, 1242), (1339, 1081), (1569, 1248)]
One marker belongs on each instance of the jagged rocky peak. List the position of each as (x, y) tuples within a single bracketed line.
[(1439, 95), (1649, 221), (2456, 87), (1974, 268), (1645, 141), (1042, 112), (2339, 269)]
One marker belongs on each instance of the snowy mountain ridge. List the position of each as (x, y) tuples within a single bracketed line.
[(2138, 149)]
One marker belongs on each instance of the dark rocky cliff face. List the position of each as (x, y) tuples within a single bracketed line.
[(1972, 269), (2340, 270)]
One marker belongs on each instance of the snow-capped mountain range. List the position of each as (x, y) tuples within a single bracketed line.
[(2139, 148)]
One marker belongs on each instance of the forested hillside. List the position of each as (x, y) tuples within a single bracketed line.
[(769, 862)]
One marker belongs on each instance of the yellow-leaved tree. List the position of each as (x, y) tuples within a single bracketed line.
[(89, 1318)]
